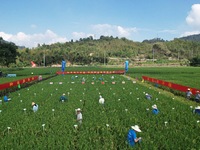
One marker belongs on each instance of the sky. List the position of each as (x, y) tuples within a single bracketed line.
[(29, 23)]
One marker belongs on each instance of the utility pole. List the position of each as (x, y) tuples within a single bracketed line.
[(153, 54), (104, 58), (44, 58)]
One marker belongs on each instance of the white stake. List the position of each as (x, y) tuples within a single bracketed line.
[(43, 126), (8, 129)]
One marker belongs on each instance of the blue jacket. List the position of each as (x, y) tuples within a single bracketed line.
[(5, 98), (197, 111), (131, 137), (155, 111)]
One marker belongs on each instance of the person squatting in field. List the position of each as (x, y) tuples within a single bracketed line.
[(188, 94), (79, 116), (197, 110), (35, 106), (148, 96), (63, 98), (197, 97), (101, 100), (132, 137), (6, 99), (155, 109)]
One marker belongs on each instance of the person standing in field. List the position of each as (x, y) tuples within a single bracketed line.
[(132, 137), (197, 110), (35, 106), (188, 94), (155, 109), (79, 116), (63, 98), (197, 97)]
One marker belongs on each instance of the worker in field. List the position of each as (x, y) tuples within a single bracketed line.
[(197, 97), (6, 99), (63, 98), (197, 110), (148, 96), (132, 137), (188, 94), (155, 109), (35, 106), (79, 116), (101, 100)]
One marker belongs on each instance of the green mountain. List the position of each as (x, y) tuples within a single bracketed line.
[(195, 37)]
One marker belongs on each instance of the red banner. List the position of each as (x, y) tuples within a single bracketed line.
[(92, 72), (170, 85), (15, 83)]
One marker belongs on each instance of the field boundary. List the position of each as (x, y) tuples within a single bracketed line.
[(170, 85), (168, 93)]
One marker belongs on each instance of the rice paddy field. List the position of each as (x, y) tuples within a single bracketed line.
[(104, 126)]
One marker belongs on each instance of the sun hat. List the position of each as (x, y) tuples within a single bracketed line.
[(154, 106), (33, 103), (78, 109), (136, 128), (146, 93), (198, 107), (188, 89), (63, 93)]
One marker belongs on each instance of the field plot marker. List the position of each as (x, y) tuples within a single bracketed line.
[(24, 110), (75, 126), (8, 129), (43, 126), (166, 123), (53, 111)]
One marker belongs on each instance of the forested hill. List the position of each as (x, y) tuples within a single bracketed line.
[(107, 49), (195, 37)]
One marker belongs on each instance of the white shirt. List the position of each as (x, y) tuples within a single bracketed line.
[(101, 100), (79, 118), (35, 108)]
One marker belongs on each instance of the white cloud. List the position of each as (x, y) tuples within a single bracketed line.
[(189, 33), (78, 35), (193, 18), (32, 40), (113, 30)]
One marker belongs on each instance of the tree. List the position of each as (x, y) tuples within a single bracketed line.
[(8, 52), (195, 61)]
